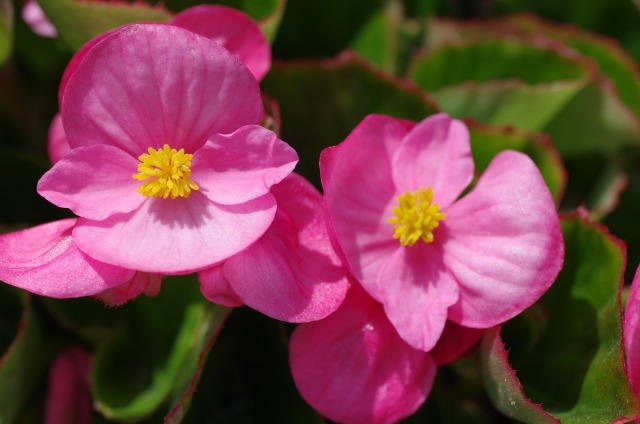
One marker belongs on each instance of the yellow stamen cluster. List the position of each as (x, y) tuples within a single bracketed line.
[(168, 171), (416, 217)]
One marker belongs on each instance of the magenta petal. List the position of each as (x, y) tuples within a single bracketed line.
[(215, 287), (44, 260), (291, 273), (359, 192), (435, 153), (417, 292), (145, 85), (236, 31), (57, 143), (353, 368), (235, 168), (632, 332), (176, 235), (504, 244), (454, 342), (94, 182), (69, 392), (141, 282)]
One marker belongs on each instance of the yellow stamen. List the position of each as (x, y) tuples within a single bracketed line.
[(170, 173), (416, 217)]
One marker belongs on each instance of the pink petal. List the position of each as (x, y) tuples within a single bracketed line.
[(359, 193), (454, 342), (33, 16), (76, 59), (291, 273), (504, 245), (236, 31), (175, 235), (632, 332), (353, 368), (141, 282), (44, 260), (150, 84), (242, 166), (94, 182), (57, 143), (435, 153), (69, 395), (216, 288), (417, 291)]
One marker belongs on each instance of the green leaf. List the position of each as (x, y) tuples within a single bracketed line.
[(567, 349), (613, 62), (79, 21), (23, 352), (503, 387), (488, 141), (321, 102), (504, 72), (155, 357), (6, 29), (500, 82)]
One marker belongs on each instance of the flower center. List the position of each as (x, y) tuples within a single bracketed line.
[(168, 172), (415, 217)]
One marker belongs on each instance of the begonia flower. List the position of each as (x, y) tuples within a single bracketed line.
[(353, 367), (393, 199), (631, 332), (169, 171), (167, 157), (292, 273), (230, 28), (69, 393)]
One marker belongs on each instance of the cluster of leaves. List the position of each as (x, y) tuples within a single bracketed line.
[(567, 97)]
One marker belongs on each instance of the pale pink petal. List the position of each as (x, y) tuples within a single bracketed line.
[(632, 332), (33, 16), (504, 245), (215, 287), (454, 342), (141, 282), (435, 153), (44, 260), (291, 273), (353, 368), (57, 143), (359, 193), (236, 31), (69, 393), (175, 235), (241, 166), (146, 85), (417, 291), (94, 182)]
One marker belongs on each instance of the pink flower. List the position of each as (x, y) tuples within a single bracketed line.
[(168, 169), (69, 395), (353, 367), (392, 195), (292, 273), (230, 28)]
